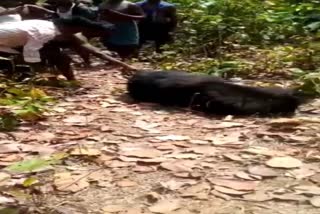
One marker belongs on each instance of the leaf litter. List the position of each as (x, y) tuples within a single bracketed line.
[(199, 159)]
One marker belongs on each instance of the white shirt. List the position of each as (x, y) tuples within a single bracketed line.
[(31, 34), (10, 18)]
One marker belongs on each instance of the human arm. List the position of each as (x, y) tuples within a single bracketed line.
[(98, 53), (81, 44), (28, 10), (134, 13)]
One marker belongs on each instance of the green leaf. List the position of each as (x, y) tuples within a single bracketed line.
[(16, 91), (8, 122), (314, 26), (28, 166), (9, 211), (30, 182)]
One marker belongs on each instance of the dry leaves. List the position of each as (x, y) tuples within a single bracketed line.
[(234, 184), (173, 138), (223, 125), (286, 162), (174, 185), (85, 151), (262, 171), (126, 183), (67, 182), (229, 191), (195, 190), (146, 126), (114, 208), (141, 152), (285, 122), (315, 201), (165, 206), (178, 166)]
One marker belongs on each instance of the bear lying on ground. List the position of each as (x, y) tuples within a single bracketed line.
[(211, 94)]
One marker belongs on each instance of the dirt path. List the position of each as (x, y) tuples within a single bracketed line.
[(129, 158)]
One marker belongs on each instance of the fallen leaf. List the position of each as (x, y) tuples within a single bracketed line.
[(195, 189), (309, 190), (135, 210), (315, 201), (9, 148), (233, 184), (143, 169), (230, 139), (262, 171), (286, 162), (126, 183), (174, 185), (152, 160), (67, 182), (315, 178), (165, 206), (6, 201), (301, 139), (257, 150), (142, 153), (290, 197), (146, 126), (77, 119), (220, 195), (173, 138), (4, 176), (182, 156), (166, 147), (229, 191), (106, 129), (233, 157), (258, 196), (244, 176), (223, 125), (117, 164), (300, 173), (114, 208), (285, 122), (204, 150), (200, 142), (178, 166), (85, 151)]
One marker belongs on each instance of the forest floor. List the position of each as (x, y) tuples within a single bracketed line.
[(133, 158)]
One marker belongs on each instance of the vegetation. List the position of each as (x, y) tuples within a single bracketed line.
[(253, 38)]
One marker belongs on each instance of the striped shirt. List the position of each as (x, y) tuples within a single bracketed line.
[(31, 34)]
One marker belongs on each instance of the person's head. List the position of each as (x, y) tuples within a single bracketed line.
[(70, 26), (64, 5)]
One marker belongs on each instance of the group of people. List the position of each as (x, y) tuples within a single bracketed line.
[(43, 32)]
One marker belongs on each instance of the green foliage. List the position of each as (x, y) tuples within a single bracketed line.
[(250, 38), (20, 103), (34, 165)]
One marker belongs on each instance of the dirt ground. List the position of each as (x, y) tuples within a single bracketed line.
[(133, 158)]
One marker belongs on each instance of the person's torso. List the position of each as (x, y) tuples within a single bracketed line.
[(154, 12), (125, 33), (15, 34), (120, 7)]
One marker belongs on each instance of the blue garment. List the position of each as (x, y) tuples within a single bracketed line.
[(124, 33), (150, 12)]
